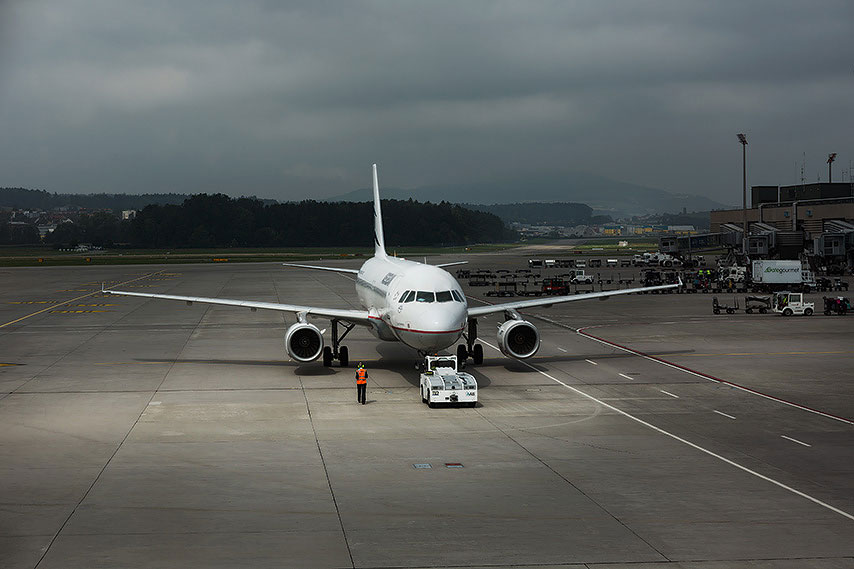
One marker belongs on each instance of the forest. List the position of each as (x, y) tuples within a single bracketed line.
[(220, 221)]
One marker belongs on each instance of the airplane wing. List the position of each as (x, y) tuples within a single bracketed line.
[(452, 264), (353, 316), (333, 269), (548, 301)]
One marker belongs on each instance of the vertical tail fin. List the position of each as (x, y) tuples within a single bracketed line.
[(379, 238)]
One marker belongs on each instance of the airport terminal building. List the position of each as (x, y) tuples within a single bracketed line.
[(815, 217)]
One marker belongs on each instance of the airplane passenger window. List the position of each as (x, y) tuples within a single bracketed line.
[(457, 296), (424, 296), (444, 296)]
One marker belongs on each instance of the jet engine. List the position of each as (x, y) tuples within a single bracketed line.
[(518, 339), (304, 342)]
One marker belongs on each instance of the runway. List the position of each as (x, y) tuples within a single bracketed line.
[(646, 433)]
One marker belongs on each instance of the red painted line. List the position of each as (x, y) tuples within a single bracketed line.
[(427, 331), (710, 377)]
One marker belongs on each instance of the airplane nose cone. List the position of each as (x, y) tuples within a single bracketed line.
[(435, 326)]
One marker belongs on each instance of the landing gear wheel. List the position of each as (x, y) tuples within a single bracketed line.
[(343, 356), (327, 356), (477, 354), (462, 353)]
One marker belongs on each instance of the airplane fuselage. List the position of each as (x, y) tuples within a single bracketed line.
[(420, 305)]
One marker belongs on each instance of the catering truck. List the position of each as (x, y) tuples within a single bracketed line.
[(774, 275)]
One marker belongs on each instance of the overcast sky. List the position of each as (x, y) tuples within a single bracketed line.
[(291, 100)]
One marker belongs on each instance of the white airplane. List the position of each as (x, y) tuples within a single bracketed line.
[(421, 305)]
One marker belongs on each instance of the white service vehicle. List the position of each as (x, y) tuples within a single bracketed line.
[(442, 383), (791, 303), (735, 273), (580, 277)]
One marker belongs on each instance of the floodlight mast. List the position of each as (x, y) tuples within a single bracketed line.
[(830, 159), (743, 140)]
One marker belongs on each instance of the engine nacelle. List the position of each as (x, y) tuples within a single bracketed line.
[(304, 342), (518, 339)]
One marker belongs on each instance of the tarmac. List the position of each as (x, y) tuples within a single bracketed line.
[(646, 433)]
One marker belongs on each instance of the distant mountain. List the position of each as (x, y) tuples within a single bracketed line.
[(605, 196), (537, 213)]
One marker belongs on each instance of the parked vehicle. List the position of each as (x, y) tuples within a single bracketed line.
[(836, 305), (792, 303), (776, 274), (555, 286), (581, 278)]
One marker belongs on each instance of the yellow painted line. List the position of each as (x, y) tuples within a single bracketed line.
[(765, 354), (76, 311), (97, 304), (68, 302), (8, 365), (33, 302)]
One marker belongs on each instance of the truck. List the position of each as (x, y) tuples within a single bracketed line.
[(655, 260), (776, 275), (443, 383), (554, 285)]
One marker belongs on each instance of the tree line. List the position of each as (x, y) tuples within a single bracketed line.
[(22, 198), (220, 221)]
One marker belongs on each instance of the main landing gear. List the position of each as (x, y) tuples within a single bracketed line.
[(471, 348), (337, 351)]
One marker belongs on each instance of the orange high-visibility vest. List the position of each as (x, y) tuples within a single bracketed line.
[(361, 376)]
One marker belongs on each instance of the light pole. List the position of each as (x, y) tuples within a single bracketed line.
[(830, 159), (743, 140)]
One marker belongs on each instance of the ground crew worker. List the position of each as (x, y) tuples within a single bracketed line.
[(361, 383)]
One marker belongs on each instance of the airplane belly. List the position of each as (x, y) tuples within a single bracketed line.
[(428, 341)]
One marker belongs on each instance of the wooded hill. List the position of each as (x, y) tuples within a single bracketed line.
[(220, 221)]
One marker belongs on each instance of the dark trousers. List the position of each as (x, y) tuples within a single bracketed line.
[(361, 389)]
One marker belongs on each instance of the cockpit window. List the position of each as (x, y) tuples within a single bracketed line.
[(444, 296), (403, 296), (424, 296), (410, 296), (457, 296)]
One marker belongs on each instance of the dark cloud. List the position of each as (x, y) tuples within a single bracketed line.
[(290, 100)]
